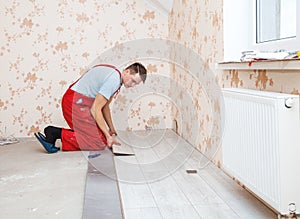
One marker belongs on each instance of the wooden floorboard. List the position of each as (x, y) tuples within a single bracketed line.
[(154, 183)]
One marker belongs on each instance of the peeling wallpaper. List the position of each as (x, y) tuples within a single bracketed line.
[(46, 46)]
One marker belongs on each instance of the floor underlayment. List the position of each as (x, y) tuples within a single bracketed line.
[(101, 195), (152, 183)]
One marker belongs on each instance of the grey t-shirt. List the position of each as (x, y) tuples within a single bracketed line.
[(101, 79)]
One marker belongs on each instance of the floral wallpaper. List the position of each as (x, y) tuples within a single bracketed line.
[(45, 46), (146, 106), (198, 26), (283, 81)]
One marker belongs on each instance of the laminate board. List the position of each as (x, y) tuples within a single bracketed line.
[(128, 169), (162, 186), (141, 139), (150, 164), (216, 211), (174, 157), (146, 155), (155, 171), (237, 198), (124, 149), (167, 193), (244, 204), (178, 211), (135, 193), (196, 189), (160, 183), (143, 213)]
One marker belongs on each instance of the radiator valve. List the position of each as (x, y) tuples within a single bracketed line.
[(289, 102)]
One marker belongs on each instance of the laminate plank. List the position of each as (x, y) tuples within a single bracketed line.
[(175, 157), (128, 170), (146, 155), (149, 162), (159, 170), (162, 186), (167, 193), (134, 193), (198, 161), (237, 198), (136, 196), (177, 211), (140, 139), (124, 149), (196, 189), (143, 213), (217, 211)]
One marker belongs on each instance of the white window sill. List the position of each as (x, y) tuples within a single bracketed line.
[(284, 64)]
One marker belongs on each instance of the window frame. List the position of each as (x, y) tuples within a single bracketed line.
[(240, 31), (286, 44)]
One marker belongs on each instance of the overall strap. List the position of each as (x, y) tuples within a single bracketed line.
[(105, 65), (110, 66)]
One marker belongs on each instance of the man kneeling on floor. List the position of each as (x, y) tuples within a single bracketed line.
[(85, 107)]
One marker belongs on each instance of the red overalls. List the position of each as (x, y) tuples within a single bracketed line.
[(84, 133)]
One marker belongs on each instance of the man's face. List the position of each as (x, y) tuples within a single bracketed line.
[(130, 80)]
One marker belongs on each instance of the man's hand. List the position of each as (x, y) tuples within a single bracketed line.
[(111, 141)]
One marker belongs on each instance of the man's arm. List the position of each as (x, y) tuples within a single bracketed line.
[(107, 117), (96, 110)]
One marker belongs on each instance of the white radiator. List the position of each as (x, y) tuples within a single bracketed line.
[(261, 145)]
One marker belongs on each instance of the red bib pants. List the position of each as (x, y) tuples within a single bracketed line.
[(84, 133)]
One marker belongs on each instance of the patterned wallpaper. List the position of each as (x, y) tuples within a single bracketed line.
[(198, 26), (283, 81), (46, 46)]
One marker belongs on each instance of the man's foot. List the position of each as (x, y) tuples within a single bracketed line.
[(52, 133), (50, 148), (42, 136)]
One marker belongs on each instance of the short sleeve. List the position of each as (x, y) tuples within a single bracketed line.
[(109, 87)]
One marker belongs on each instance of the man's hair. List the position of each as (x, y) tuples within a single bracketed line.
[(138, 68)]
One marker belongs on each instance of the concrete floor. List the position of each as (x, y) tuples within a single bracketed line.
[(34, 184)]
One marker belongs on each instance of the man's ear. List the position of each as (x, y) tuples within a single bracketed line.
[(127, 71)]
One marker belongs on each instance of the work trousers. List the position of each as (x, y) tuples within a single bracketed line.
[(84, 133)]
